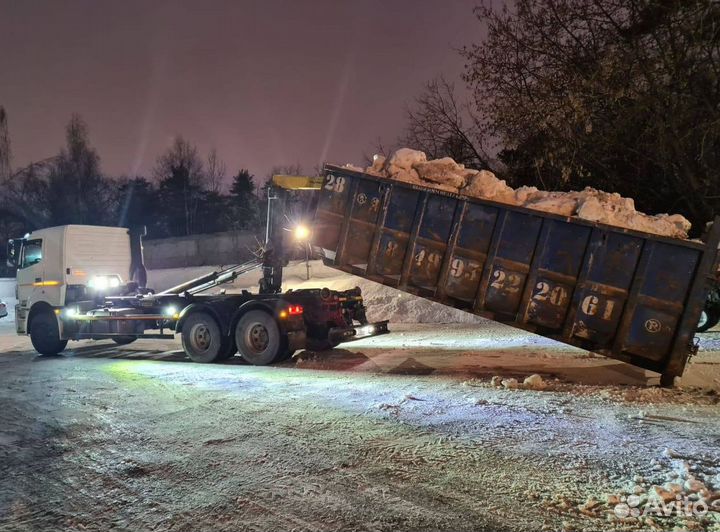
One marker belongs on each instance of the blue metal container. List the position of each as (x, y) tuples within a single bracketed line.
[(625, 294)]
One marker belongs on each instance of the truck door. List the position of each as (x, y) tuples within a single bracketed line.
[(30, 281)]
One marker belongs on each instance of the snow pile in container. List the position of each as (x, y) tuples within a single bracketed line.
[(412, 166)]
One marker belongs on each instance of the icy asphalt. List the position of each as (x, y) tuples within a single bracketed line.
[(402, 432)]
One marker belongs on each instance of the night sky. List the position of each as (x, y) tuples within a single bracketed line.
[(267, 83)]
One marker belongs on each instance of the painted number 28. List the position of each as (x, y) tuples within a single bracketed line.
[(336, 184)]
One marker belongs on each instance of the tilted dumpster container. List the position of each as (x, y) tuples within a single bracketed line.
[(625, 294)]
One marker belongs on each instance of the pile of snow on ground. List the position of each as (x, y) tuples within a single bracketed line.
[(412, 166)]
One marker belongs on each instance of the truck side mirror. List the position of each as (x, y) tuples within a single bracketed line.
[(14, 248)]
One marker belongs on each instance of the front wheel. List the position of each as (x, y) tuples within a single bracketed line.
[(258, 338), (201, 337), (45, 334), (123, 340)]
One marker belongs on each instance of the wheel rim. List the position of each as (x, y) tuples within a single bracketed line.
[(257, 337), (200, 338), (703, 319)]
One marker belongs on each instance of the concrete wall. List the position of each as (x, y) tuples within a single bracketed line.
[(201, 250)]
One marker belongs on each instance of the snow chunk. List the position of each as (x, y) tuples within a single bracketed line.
[(555, 202), (510, 384), (486, 185), (670, 453), (525, 194), (377, 166), (534, 382), (404, 159), (444, 171)]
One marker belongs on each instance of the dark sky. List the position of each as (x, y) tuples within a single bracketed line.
[(265, 82)]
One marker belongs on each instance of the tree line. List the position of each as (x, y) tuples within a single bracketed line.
[(183, 195)]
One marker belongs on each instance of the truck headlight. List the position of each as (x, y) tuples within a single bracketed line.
[(171, 311), (103, 282)]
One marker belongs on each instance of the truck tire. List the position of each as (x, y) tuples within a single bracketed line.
[(201, 337), (258, 338), (708, 320), (45, 334), (123, 340)]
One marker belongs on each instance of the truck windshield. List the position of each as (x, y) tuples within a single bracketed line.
[(32, 253)]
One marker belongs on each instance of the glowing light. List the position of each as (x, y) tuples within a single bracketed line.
[(71, 312), (170, 311), (302, 233), (366, 329), (46, 283), (292, 310), (103, 282)]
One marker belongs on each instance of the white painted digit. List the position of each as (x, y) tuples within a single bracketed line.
[(340, 184), (335, 184), (589, 305), (544, 289), (499, 276), (607, 312), (558, 296), (457, 267)]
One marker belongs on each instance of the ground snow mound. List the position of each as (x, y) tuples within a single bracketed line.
[(412, 166)]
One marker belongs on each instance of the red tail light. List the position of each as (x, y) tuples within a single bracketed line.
[(294, 310)]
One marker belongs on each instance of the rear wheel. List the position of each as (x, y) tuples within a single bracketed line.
[(258, 338), (45, 334), (201, 337)]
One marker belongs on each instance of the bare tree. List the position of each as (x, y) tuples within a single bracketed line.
[(24, 196), (441, 126), (215, 171)]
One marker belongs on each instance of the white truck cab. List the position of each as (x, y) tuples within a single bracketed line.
[(60, 265)]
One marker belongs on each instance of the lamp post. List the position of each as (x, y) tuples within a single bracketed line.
[(302, 235)]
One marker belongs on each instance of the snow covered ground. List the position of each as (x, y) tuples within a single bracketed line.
[(403, 431)]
